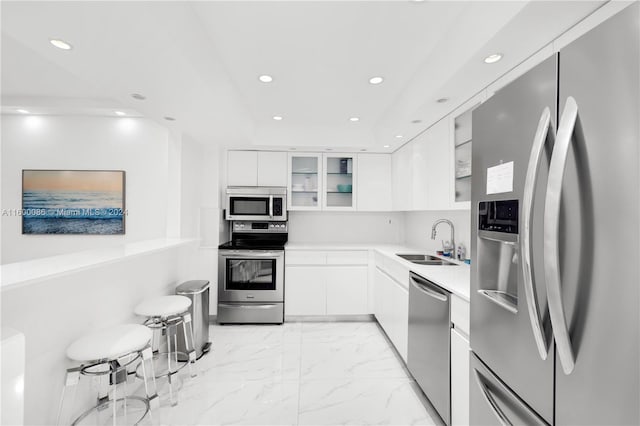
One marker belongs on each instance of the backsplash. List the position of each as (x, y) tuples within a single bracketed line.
[(346, 227), (417, 229)]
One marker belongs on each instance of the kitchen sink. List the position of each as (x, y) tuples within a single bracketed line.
[(425, 259)]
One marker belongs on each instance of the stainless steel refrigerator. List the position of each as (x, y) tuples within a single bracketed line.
[(555, 238)]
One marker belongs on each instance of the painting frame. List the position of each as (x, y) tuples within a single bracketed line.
[(104, 214)]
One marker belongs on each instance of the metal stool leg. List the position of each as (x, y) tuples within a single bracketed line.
[(189, 342)]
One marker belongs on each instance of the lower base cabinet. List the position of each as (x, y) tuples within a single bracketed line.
[(459, 378), (326, 283), (392, 310)]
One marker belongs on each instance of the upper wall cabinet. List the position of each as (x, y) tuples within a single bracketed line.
[(339, 184), (374, 182), (305, 181), (322, 181), (256, 168), (460, 149), (402, 171)]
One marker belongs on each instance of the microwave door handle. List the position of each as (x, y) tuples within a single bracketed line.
[(271, 206), (566, 129), (544, 134)]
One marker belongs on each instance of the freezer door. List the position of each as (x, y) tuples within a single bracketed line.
[(493, 403), (504, 129), (597, 232)]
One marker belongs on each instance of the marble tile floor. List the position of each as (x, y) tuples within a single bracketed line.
[(334, 373)]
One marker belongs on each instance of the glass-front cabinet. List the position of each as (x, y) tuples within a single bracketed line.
[(339, 182), (322, 181), (305, 181)]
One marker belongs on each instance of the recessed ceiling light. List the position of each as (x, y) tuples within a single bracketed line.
[(277, 117), (22, 111), (442, 100), (292, 149), (385, 146), (120, 113), (416, 121), (265, 78), (169, 118), (491, 59), (376, 80), (329, 149), (354, 119), (138, 96), (362, 150), (60, 44), (399, 136)]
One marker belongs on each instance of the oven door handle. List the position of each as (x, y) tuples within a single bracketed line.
[(271, 206), (249, 306), (248, 254)]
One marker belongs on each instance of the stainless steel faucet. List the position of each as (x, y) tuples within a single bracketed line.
[(453, 238)]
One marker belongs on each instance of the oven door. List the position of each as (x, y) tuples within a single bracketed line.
[(251, 275), (256, 207)]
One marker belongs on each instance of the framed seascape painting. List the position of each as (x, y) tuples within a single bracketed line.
[(88, 202)]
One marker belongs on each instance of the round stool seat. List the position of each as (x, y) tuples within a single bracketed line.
[(110, 343), (163, 306)]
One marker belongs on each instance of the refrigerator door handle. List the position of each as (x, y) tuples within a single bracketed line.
[(566, 128), (544, 133), (486, 393)]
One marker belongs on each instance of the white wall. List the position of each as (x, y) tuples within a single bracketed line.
[(135, 145), (345, 227), (417, 228), (56, 311)]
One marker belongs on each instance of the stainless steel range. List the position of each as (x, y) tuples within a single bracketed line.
[(251, 273)]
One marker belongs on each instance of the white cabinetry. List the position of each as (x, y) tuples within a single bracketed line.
[(272, 168), (374, 182), (459, 361), (402, 178), (304, 291), (305, 181), (242, 168), (391, 308), (421, 171), (326, 282), (256, 168), (339, 181)]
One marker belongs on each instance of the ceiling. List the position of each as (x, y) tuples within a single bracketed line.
[(199, 62)]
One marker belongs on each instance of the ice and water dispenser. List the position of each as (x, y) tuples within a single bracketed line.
[(498, 257)]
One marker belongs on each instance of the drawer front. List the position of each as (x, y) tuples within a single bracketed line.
[(398, 272), (379, 260), (460, 314), (305, 257), (348, 257)]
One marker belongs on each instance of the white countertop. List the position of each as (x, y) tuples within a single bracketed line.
[(21, 273), (455, 279)]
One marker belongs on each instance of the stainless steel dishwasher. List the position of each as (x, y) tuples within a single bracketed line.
[(429, 342)]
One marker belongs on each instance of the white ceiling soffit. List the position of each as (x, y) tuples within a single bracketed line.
[(534, 26), (154, 48), (199, 62)]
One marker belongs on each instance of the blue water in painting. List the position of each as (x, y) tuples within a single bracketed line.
[(77, 212)]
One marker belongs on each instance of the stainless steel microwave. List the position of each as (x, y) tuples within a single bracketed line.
[(256, 203)]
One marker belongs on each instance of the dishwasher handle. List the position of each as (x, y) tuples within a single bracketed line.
[(428, 288)]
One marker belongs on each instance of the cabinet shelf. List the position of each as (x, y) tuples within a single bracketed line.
[(304, 192), (339, 192), (463, 177), (340, 174), (304, 173)]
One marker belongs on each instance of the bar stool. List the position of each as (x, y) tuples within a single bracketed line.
[(110, 352), (165, 314)]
